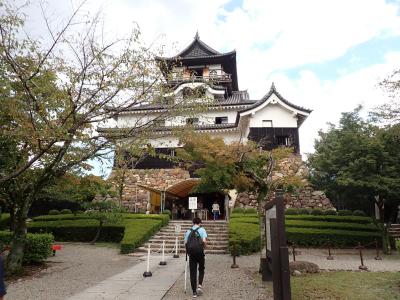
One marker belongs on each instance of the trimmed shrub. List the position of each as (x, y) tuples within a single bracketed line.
[(330, 212), (346, 219), (344, 212), (167, 212), (331, 225), (312, 237), (238, 210), (316, 212), (62, 217), (291, 211), (37, 249), (250, 211), (359, 213), (245, 237), (137, 232), (304, 211), (54, 212), (66, 211), (240, 215), (83, 230)]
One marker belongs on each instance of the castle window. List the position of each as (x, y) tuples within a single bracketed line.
[(192, 121), (267, 123), (284, 141), (221, 120)]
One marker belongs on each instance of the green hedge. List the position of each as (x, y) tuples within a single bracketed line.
[(5, 221), (83, 230), (245, 236), (62, 217), (346, 219), (241, 215), (331, 225), (137, 231), (312, 237), (38, 246)]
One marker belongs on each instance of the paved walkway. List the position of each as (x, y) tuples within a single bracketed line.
[(131, 284)]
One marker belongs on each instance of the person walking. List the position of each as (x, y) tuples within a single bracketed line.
[(195, 242), (215, 210)]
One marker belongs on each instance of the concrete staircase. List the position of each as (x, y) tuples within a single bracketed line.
[(217, 237), (394, 230)]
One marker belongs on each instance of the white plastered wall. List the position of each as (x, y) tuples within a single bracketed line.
[(280, 116)]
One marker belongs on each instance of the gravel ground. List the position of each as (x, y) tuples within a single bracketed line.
[(73, 269), (222, 282), (349, 259)]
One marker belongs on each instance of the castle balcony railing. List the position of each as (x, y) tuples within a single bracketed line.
[(213, 78)]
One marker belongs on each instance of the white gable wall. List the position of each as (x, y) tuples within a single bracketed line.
[(279, 115)]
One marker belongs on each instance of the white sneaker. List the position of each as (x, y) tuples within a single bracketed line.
[(200, 290)]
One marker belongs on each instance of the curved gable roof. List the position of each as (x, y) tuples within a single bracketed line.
[(269, 94)]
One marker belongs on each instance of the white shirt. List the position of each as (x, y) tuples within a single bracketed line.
[(215, 207)]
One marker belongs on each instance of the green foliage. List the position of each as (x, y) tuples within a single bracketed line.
[(104, 211), (245, 236), (37, 249), (330, 212), (240, 215), (316, 212), (356, 161), (250, 211), (345, 219), (344, 212), (82, 230), (398, 246), (238, 210), (65, 211), (304, 211), (54, 212), (5, 221), (359, 213), (167, 212), (291, 211), (137, 231), (62, 217), (313, 237), (331, 225)]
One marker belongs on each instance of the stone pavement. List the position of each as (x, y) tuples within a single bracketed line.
[(131, 284)]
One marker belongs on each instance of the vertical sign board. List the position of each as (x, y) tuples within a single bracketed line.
[(192, 202), (269, 214)]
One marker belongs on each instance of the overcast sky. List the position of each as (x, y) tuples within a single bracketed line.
[(325, 55)]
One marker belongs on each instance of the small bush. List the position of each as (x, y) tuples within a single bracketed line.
[(316, 212), (54, 212), (37, 248), (238, 210), (167, 212), (245, 237), (304, 211), (359, 213), (66, 211), (346, 219), (250, 211), (330, 212), (5, 221), (344, 212), (291, 211)]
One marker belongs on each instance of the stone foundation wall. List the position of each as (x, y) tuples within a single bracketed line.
[(158, 179), (306, 197)]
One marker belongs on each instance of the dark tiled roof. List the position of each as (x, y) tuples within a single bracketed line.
[(238, 98), (170, 128), (274, 91)]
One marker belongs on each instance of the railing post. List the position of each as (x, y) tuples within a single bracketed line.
[(377, 257), (362, 266), (147, 273), (329, 257), (234, 265)]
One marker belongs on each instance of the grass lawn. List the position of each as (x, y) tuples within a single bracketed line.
[(347, 285)]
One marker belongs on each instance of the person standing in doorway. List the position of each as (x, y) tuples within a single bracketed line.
[(195, 243), (215, 210)]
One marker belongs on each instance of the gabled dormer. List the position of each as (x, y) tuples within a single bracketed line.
[(198, 62)]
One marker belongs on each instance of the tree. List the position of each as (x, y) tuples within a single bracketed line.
[(240, 166), (359, 160), (54, 97)]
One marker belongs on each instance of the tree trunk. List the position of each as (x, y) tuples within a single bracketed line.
[(261, 216), (97, 233), (16, 255)]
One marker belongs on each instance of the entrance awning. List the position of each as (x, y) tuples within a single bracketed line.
[(181, 189)]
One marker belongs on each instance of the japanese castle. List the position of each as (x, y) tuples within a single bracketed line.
[(156, 184)]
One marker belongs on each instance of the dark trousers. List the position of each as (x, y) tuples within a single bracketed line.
[(195, 260)]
